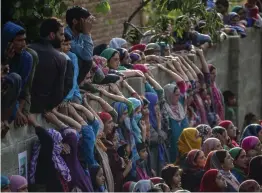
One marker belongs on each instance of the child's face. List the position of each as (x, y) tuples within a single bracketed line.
[(100, 178), (143, 154), (177, 179), (232, 101), (66, 46)]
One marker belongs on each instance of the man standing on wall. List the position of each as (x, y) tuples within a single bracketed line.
[(80, 23)]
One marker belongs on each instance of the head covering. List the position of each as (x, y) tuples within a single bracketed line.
[(235, 152), (99, 49), (122, 52), (187, 141), (134, 57), (108, 53), (136, 103), (163, 46), (249, 186), (140, 47), (255, 166), (120, 108), (58, 161), (249, 143), (157, 180), (218, 159), (251, 130), (232, 15), (225, 124), (9, 32), (17, 182), (153, 46), (218, 130), (203, 131), (4, 181), (104, 116), (128, 186), (208, 182), (153, 99), (143, 186), (117, 43), (237, 8), (143, 68), (209, 145), (191, 158), (176, 112), (208, 165)]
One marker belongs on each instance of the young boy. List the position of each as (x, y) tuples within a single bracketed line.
[(141, 165), (230, 106)]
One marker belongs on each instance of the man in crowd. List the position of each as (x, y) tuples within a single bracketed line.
[(48, 85)]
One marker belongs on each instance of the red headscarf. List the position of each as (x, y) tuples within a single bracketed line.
[(104, 116), (157, 180), (191, 157), (208, 162), (208, 182), (140, 47), (225, 124), (140, 67)]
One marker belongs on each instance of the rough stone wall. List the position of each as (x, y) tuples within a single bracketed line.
[(120, 11), (239, 68)]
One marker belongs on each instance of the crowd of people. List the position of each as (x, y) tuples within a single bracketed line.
[(179, 137)]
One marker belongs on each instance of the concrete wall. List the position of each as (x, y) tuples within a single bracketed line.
[(239, 68)]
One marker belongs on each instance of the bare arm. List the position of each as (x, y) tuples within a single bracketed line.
[(132, 73), (153, 82), (176, 77), (191, 70), (89, 115), (128, 87), (105, 106), (203, 61), (177, 65), (196, 69)]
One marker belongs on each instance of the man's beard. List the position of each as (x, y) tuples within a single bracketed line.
[(56, 43)]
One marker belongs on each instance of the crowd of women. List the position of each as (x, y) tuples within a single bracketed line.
[(175, 138)]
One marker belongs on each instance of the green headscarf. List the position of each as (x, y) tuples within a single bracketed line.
[(153, 46), (108, 53), (237, 8), (234, 152)]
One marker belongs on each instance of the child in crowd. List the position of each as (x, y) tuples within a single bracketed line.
[(98, 178), (230, 106), (141, 167), (172, 176)]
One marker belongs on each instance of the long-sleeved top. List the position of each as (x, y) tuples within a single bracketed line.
[(48, 84)]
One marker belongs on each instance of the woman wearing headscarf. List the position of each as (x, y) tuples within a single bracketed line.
[(213, 181), (241, 12), (211, 144), (18, 184), (153, 49), (240, 163), (205, 131), (221, 134), (140, 47), (254, 171), (158, 151), (208, 165), (98, 179), (118, 43), (194, 170), (231, 131), (249, 186), (143, 186), (252, 130), (174, 118), (236, 24), (222, 161), (217, 97), (252, 146), (188, 140)]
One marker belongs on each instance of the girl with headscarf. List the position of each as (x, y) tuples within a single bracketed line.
[(211, 144), (188, 140), (118, 43), (249, 186), (157, 136), (143, 186), (5, 184), (255, 166), (240, 163), (252, 130), (204, 131), (208, 164), (194, 170), (221, 134), (97, 178), (252, 146), (222, 161), (18, 184), (172, 177), (174, 118), (213, 181), (231, 131)]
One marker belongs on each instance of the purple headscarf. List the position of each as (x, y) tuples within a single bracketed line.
[(58, 161), (249, 143), (153, 99)]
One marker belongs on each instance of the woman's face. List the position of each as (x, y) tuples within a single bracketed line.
[(258, 148), (228, 162), (177, 179), (100, 178), (201, 160), (175, 97), (250, 154), (126, 59), (220, 181), (123, 116), (218, 146), (223, 138), (108, 126), (231, 131), (242, 160), (114, 62), (145, 110), (213, 74)]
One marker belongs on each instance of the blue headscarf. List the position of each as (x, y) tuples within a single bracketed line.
[(117, 43), (153, 99), (251, 130), (4, 181), (120, 108)]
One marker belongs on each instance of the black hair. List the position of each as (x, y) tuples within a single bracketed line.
[(77, 13), (67, 37), (249, 117), (99, 49), (168, 172), (221, 155), (225, 3), (228, 95), (140, 146), (50, 25)]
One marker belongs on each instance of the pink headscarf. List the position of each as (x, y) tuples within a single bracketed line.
[(249, 143), (225, 124), (209, 145), (140, 47), (140, 67), (17, 182)]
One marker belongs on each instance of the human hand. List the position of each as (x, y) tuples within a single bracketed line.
[(114, 88), (87, 24), (50, 117), (20, 119), (199, 52)]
